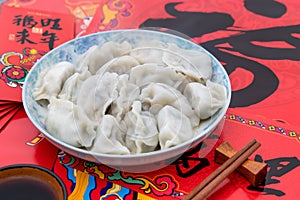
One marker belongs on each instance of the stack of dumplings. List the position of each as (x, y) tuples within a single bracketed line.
[(120, 99)]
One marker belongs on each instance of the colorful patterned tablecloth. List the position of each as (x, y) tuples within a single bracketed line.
[(256, 41), (86, 180)]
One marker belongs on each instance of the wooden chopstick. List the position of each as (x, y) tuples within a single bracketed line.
[(214, 179)]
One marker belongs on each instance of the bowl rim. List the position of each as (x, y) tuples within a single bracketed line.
[(186, 144)]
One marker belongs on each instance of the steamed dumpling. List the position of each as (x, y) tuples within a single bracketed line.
[(206, 100), (68, 123), (97, 56), (72, 86), (192, 63), (97, 94), (157, 95), (128, 93), (119, 65), (110, 137), (174, 127), (152, 73), (151, 44), (51, 81), (142, 133), (149, 52)]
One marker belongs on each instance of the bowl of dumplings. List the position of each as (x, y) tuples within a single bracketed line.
[(134, 100)]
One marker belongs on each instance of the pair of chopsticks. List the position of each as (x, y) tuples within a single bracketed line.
[(202, 190)]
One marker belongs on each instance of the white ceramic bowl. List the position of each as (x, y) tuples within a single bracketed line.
[(145, 162)]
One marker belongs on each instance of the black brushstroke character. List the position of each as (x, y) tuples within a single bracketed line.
[(266, 8), (49, 38), (193, 24), (23, 36), (265, 81), (27, 21), (183, 164), (190, 163), (278, 167)]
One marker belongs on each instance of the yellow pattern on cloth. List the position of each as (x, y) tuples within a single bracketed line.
[(82, 181)]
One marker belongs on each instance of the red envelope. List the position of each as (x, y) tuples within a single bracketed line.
[(27, 36), (7, 115), (21, 142), (83, 11), (6, 109), (4, 103)]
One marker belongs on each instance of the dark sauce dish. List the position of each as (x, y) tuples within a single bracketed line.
[(28, 181)]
